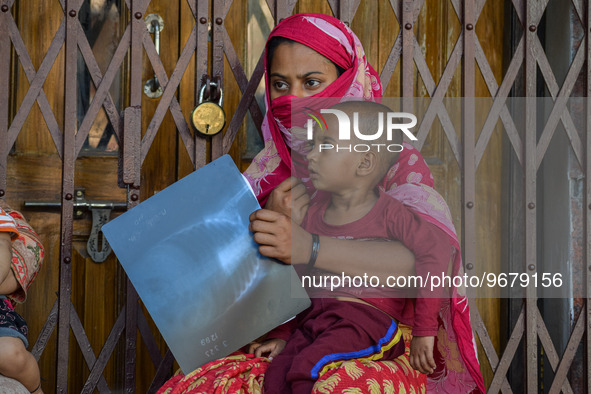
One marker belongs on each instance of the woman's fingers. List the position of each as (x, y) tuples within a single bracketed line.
[(270, 222), (262, 238), (265, 215), (272, 231)]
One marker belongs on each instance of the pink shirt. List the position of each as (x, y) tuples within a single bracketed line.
[(389, 219)]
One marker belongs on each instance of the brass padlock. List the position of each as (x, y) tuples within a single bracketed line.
[(209, 118)]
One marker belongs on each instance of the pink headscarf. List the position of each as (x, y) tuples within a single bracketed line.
[(337, 42), (409, 180)]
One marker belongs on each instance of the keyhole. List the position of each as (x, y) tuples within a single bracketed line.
[(100, 242), (206, 129)]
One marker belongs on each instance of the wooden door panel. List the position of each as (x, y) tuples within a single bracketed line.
[(38, 178), (35, 174)]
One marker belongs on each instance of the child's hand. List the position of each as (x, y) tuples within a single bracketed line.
[(421, 354), (272, 346)]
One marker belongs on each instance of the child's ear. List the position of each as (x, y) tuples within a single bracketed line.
[(367, 163)]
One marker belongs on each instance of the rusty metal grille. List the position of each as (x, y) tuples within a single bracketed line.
[(468, 149)]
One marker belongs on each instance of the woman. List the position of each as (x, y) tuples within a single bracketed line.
[(317, 55)]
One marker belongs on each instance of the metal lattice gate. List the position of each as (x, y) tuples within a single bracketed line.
[(209, 31)]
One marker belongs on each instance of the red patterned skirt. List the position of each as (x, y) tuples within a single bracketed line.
[(242, 373)]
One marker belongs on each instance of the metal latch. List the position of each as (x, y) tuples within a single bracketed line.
[(101, 212)]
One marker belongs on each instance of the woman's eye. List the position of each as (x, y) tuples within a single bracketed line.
[(280, 85), (312, 83)]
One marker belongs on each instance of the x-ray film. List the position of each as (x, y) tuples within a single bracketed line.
[(189, 254)]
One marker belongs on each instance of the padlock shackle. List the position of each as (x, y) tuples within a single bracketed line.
[(202, 93)]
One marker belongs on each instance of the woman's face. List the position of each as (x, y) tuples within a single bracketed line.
[(300, 71)]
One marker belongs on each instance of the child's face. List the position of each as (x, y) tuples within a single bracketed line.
[(332, 170)]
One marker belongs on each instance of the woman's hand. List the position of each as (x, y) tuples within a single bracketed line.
[(290, 198), (272, 346), (278, 236)]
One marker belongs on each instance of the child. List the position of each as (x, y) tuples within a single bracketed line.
[(15, 361), (357, 324)]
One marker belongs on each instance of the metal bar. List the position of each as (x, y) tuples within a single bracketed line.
[(131, 307), (587, 204), (347, 10), (335, 7), (105, 354), (36, 80), (46, 332), (102, 97), (501, 370), (580, 9), (132, 117), (468, 142), (529, 205), (220, 9), (560, 383), (86, 348), (545, 67), (271, 5), (162, 373), (423, 69), (394, 56), (247, 100), (77, 204), (407, 53), (148, 338), (435, 106), (395, 53), (132, 163), (392, 61), (283, 9), (500, 95), (68, 172), (168, 99), (201, 64), (480, 328), (559, 111), (187, 137), (239, 74), (4, 99), (132, 128)]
